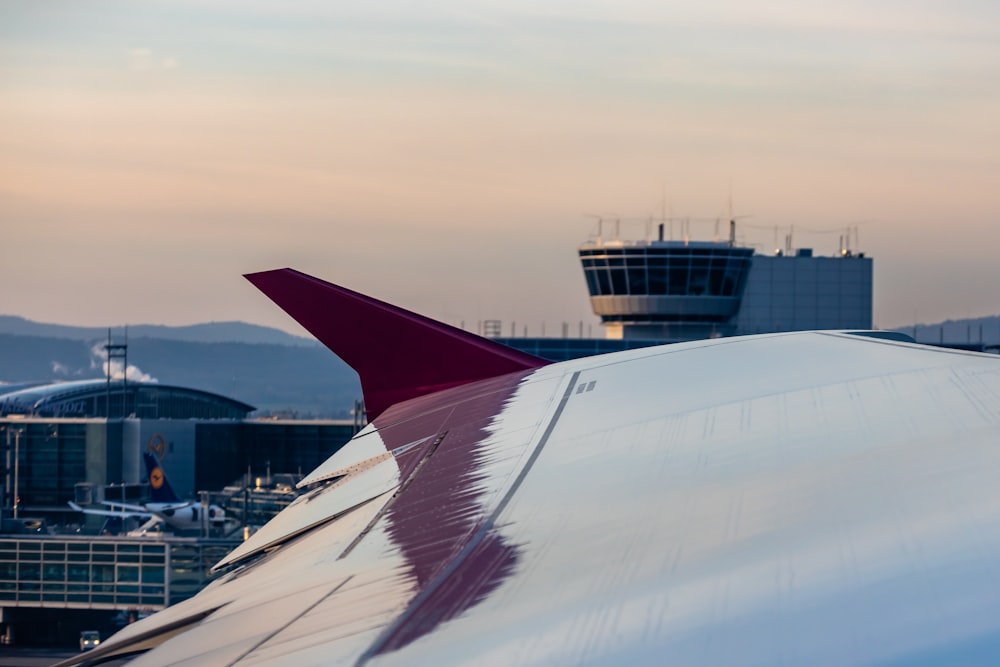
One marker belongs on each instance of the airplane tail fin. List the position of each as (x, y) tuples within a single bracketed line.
[(161, 491), (398, 354)]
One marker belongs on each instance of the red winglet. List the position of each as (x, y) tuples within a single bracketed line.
[(398, 354)]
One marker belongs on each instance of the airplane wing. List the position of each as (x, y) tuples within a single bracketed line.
[(128, 506), (133, 511), (810, 498)]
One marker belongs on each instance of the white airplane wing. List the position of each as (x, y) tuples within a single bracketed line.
[(790, 499), (128, 511), (126, 506)]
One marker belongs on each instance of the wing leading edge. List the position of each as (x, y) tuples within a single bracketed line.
[(398, 354)]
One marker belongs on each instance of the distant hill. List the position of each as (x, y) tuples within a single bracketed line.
[(297, 380), (212, 332), (965, 331)]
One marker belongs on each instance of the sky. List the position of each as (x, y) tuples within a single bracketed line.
[(450, 157)]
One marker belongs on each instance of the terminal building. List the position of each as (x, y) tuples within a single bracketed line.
[(58, 576), (60, 436)]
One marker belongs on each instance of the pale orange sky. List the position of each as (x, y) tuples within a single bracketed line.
[(446, 157)]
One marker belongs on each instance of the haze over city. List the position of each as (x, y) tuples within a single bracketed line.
[(448, 156)]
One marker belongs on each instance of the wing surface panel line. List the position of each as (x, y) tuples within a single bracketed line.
[(392, 501), (384, 639), (277, 631)]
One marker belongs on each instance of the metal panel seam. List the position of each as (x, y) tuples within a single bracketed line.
[(392, 501), (305, 611)]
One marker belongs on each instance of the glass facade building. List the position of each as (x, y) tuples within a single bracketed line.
[(226, 450), (50, 457), (53, 461), (105, 573), (70, 573)]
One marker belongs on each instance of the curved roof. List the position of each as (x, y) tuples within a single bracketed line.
[(145, 400)]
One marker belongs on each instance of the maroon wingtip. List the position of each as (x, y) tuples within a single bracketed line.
[(398, 354)]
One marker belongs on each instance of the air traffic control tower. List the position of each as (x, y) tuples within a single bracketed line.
[(678, 290), (654, 289)]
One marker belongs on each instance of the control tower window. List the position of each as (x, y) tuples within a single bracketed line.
[(603, 281), (637, 283), (734, 272), (618, 281), (698, 279), (677, 278), (716, 276)]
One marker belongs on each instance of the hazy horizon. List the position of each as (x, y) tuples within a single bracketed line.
[(446, 157), (119, 330)]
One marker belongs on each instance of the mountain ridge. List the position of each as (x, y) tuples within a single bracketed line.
[(969, 330), (233, 331)]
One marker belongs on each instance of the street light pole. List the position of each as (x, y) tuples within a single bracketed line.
[(8, 500), (17, 461)]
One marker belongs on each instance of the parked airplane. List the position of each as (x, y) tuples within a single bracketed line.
[(164, 506), (817, 498)]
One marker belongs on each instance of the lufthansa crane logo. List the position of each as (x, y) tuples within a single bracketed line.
[(156, 478), (157, 445)]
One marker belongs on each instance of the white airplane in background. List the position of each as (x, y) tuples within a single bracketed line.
[(164, 505), (807, 498)]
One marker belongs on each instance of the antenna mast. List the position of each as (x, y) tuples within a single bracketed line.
[(116, 351)]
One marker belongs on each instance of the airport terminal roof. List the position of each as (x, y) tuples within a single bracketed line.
[(99, 398)]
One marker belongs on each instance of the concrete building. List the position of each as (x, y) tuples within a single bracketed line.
[(801, 292)]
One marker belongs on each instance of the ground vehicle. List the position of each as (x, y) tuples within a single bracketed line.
[(89, 639)]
